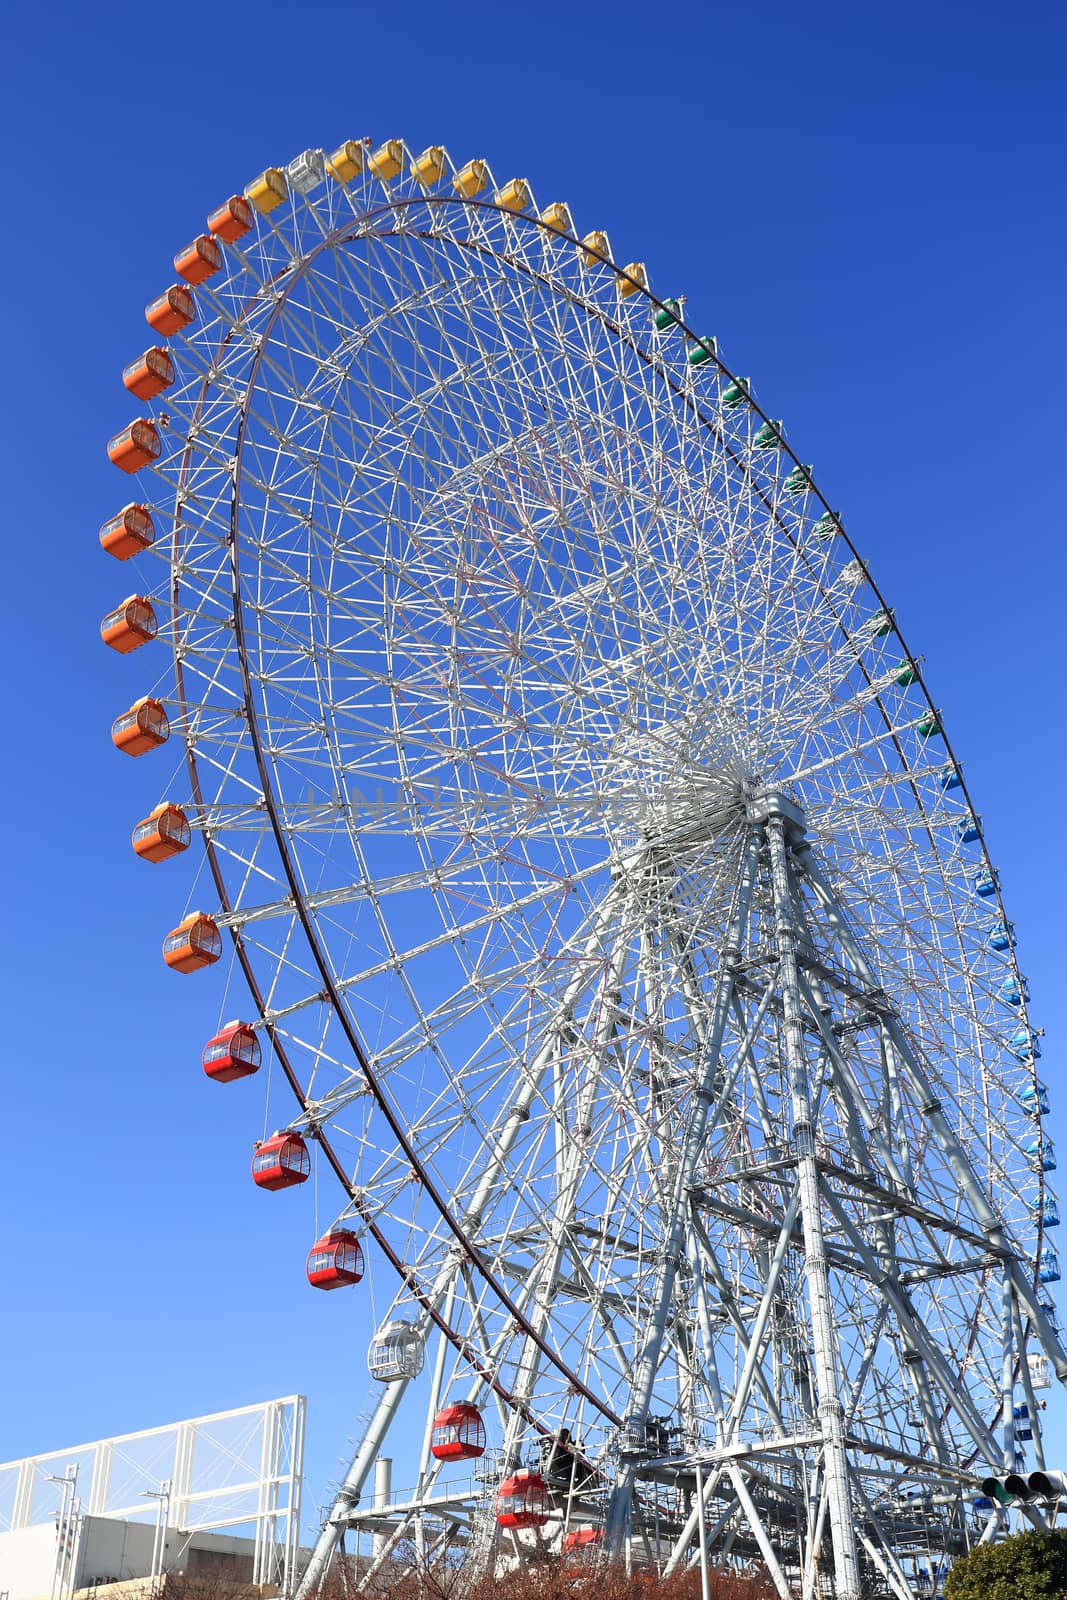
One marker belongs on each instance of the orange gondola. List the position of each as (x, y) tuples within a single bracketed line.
[(171, 311), (150, 374), (281, 1161), (128, 533), (165, 832), (196, 942), (232, 220), (233, 1053), (135, 447), (130, 625), (522, 1501), (143, 727), (335, 1260), (458, 1433), (199, 260)]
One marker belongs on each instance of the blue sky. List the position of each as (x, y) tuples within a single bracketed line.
[(863, 203)]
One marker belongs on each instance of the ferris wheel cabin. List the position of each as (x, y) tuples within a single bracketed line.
[(196, 942), (165, 832), (582, 1539), (142, 728), (335, 1260), (135, 446), (458, 1433), (232, 220), (396, 1352), (128, 533), (522, 1501), (233, 1053), (281, 1161), (199, 260), (150, 374), (171, 311), (130, 625)]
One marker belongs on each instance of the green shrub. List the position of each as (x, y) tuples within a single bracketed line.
[(1028, 1566)]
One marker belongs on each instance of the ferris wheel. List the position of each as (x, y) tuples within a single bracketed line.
[(607, 910)]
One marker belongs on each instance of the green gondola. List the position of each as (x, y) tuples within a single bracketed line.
[(769, 437), (703, 350), (667, 316)]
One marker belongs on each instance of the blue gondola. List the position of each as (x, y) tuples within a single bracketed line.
[(1048, 1210), (1042, 1153), (968, 830), (1025, 1045), (1024, 1429), (949, 777), (1049, 1266), (1013, 992), (1002, 936), (1034, 1100), (985, 884)]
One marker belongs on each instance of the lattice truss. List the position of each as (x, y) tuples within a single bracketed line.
[(238, 1471), (602, 878)]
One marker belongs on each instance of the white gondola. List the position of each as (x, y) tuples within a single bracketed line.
[(396, 1352)]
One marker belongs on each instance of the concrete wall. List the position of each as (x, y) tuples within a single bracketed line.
[(111, 1551), (27, 1561)]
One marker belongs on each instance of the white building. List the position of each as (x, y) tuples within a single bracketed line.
[(112, 1551)]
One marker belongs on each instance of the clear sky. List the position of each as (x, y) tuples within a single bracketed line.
[(864, 203)]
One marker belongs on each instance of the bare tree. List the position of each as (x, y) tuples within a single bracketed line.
[(551, 1580)]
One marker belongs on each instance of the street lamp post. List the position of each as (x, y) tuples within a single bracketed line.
[(66, 1530), (159, 1542)]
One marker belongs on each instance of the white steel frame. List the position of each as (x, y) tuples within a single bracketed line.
[(234, 1469), (605, 888)]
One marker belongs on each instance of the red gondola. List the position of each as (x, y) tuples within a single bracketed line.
[(130, 625), (281, 1161), (522, 1501), (199, 260), (128, 533), (232, 220), (143, 727), (233, 1053), (165, 832), (150, 374), (335, 1260), (458, 1433), (196, 942), (583, 1538)]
